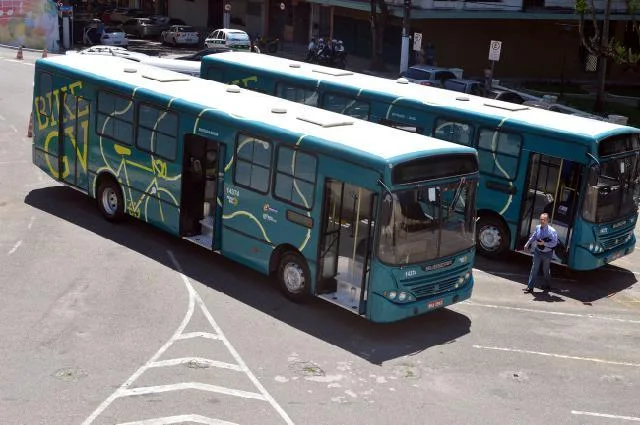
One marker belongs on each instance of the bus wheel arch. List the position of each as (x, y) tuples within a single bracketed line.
[(292, 272), (109, 197), (492, 234)]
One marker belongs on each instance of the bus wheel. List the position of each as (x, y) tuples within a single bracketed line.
[(294, 277), (110, 200), (493, 237)]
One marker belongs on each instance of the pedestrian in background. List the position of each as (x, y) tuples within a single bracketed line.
[(544, 239)]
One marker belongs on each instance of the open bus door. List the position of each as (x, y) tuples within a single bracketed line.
[(346, 245), (73, 132), (201, 181), (553, 188)]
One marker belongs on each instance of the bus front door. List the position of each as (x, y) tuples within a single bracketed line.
[(199, 209), (552, 188), (345, 246)]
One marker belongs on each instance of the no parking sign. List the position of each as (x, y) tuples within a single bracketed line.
[(494, 50)]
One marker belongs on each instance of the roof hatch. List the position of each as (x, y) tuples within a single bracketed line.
[(333, 72), (326, 122)]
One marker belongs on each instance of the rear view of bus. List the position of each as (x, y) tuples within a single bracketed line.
[(425, 236)]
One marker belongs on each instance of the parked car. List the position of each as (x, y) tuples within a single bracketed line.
[(165, 22), (505, 96), (233, 39), (180, 34), (142, 27), (563, 109), (110, 36), (473, 87), (428, 75), (197, 56)]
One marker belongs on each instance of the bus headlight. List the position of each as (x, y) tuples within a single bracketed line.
[(591, 247), (463, 259), (401, 296), (392, 295), (467, 276)]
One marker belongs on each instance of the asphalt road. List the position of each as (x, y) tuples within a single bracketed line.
[(122, 324)]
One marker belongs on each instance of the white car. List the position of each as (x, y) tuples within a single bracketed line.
[(230, 38), (180, 34), (110, 36)]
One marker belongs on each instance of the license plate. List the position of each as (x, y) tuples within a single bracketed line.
[(435, 304)]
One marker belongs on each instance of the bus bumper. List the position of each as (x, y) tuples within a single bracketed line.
[(586, 260), (382, 310)]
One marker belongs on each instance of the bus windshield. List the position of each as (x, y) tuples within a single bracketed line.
[(611, 190), (427, 223)]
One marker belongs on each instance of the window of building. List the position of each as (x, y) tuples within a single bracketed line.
[(157, 131), (295, 177), (253, 163), (114, 118)]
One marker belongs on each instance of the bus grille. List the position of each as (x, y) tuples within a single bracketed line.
[(611, 242), (433, 284)]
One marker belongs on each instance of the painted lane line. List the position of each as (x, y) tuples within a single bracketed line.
[(191, 386), (605, 415), (231, 349), (553, 313), (28, 63), (170, 420), (13, 128), (559, 356), (117, 393), (30, 225), (197, 360), (14, 162), (15, 247), (198, 335)]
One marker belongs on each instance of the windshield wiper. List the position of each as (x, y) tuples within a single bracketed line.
[(457, 195)]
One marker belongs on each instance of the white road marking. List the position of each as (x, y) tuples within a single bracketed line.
[(29, 63), (559, 356), (194, 298), (191, 386), (198, 360), (198, 335), (13, 127), (2, 118), (605, 415), (15, 247), (30, 225), (555, 313), (169, 420), (14, 162)]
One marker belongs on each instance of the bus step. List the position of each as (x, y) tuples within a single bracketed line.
[(347, 296), (204, 241)]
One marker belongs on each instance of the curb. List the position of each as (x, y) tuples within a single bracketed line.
[(24, 49)]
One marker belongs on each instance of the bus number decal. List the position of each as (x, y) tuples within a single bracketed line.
[(410, 273)]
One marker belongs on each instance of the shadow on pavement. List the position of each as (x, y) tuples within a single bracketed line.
[(583, 286), (375, 343)]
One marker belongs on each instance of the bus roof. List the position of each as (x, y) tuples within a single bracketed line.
[(534, 118), (356, 139)]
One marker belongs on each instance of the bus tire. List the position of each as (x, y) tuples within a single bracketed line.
[(110, 200), (294, 277), (492, 237)]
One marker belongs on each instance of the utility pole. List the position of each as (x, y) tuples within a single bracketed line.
[(602, 65), (406, 24)]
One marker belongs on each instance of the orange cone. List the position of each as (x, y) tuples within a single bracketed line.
[(30, 130), (19, 55), (44, 53)]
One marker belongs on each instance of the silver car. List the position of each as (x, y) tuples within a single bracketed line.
[(142, 27), (428, 75)]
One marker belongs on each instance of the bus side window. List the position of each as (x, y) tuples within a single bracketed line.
[(297, 94), (453, 131), (402, 126), (498, 153), (346, 106)]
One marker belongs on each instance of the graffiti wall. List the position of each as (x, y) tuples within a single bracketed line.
[(30, 23)]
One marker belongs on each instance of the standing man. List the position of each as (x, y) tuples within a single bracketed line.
[(545, 239)]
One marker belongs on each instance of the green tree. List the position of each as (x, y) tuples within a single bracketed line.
[(604, 47), (379, 17)]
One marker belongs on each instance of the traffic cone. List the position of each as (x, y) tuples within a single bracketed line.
[(19, 55), (44, 53), (30, 130)]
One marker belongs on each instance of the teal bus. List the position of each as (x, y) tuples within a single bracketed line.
[(582, 172), (361, 215)]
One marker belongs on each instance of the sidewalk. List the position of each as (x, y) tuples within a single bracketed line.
[(357, 64)]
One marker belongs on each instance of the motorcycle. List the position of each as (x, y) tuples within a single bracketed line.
[(265, 44)]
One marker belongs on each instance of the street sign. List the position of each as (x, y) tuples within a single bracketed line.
[(417, 41), (494, 50)]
